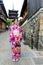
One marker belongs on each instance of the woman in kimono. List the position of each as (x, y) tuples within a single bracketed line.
[(15, 39)]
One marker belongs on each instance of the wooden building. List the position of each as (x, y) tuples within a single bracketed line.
[(3, 16), (13, 14), (2, 24), (24, 12)]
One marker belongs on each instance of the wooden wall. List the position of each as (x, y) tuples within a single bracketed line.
[(2, 25)]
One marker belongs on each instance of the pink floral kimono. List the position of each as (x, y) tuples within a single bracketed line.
[(15, 39)]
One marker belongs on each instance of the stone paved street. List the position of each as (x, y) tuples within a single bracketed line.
[(27, 58), (5, 52)]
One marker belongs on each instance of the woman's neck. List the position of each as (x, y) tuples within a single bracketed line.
[(15, 24)]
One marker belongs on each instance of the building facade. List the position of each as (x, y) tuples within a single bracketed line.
[(3, 16), (33, 27), (13, 14), (24, 12), (33, 6)]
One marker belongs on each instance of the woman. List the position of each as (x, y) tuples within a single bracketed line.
[(15, 39)]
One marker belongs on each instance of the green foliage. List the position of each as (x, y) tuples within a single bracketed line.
[(8, 22)]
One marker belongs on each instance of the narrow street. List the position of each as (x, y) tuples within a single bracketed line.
[(28, 56), (28, 14), (5, 52)]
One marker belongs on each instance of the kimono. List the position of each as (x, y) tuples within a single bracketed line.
[(15, 39)]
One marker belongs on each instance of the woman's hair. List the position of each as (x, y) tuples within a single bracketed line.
[(15, 19)]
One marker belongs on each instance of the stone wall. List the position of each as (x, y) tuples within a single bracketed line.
[(34, 27), (41, 31)]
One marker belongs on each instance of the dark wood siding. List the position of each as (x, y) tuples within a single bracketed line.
[(33, 6)]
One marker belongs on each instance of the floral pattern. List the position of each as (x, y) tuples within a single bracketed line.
[(15, 39)]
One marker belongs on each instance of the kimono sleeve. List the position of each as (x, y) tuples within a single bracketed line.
[(11, 34)]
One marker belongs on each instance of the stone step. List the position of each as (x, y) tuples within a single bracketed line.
[(27, 51), (39, 53), (38, 60)]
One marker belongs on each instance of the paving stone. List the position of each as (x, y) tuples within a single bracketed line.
[(5, 52), (38, 61), (27, 57)]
